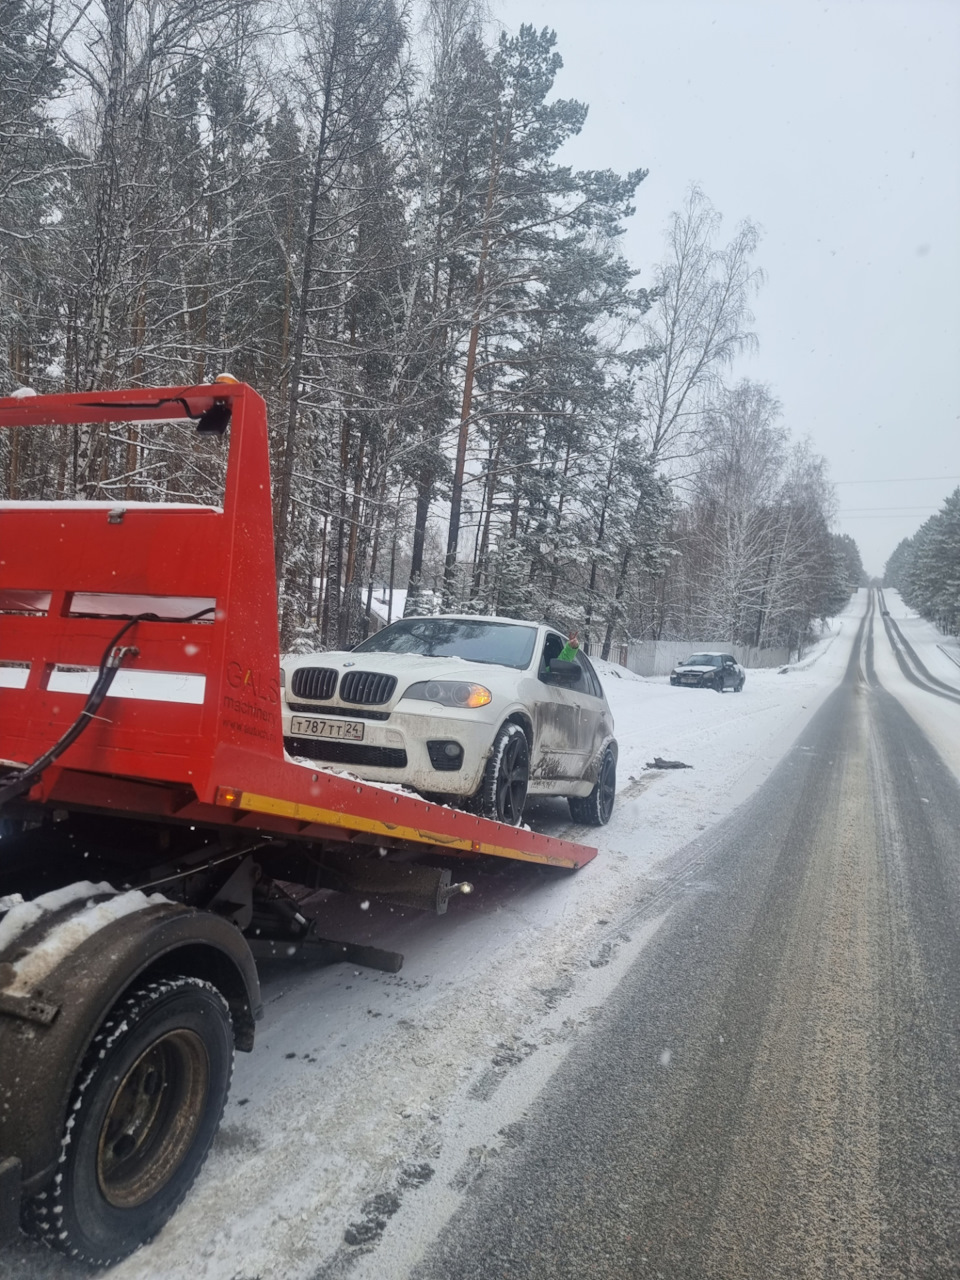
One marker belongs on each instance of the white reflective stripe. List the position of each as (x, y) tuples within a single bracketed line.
[(148, 686), (107, 504), (110, 605)]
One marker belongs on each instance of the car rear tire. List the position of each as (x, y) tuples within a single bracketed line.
[(503, 792), (596, 809), (145, 1108)]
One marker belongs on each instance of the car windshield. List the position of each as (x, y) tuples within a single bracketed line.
[(702, 660), (503, 643)]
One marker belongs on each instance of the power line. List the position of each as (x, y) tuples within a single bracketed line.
[(897, 480)]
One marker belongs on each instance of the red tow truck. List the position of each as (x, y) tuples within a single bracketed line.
[(152, 830)]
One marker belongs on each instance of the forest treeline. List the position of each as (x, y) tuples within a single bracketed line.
[(925, 569), (358, 206)]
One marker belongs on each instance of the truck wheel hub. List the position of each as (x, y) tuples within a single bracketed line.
[(152, 1119)]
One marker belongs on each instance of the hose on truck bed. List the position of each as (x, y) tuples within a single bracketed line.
[(113, 656)]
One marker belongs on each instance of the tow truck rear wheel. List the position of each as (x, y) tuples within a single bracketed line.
[(145, 1108)]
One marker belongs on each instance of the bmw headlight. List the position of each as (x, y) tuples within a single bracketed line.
[(450, 693)]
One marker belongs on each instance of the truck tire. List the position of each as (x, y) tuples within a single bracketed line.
[(145, 1108), (503, 791), (595, 809)]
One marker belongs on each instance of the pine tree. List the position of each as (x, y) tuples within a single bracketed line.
[(927, 567), (32, 162)]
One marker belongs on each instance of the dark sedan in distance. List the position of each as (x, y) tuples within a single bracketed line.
[(710, 671)]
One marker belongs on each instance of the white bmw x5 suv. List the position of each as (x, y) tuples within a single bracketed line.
[(470, 709)]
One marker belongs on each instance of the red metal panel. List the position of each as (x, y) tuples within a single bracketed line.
[(76, 548), (153, 550), (231, 743), (81, 641)]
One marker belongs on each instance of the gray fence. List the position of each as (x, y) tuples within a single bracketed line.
[(659, 657)]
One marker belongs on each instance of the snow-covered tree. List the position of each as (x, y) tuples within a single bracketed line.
[(926, 567)]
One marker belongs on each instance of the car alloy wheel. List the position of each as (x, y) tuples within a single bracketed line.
[(503, 791), (596, 809)]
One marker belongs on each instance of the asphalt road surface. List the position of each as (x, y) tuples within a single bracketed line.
[(774, 1089)]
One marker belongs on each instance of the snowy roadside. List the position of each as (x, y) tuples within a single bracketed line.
[(373, 1100), (940, 654)]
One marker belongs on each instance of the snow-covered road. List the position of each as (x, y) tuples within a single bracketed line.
[(373, 1101)]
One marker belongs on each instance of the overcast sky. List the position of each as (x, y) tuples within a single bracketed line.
[(836, 128)]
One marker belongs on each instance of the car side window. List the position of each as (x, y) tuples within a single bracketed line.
[(590, 679), (552, 648)]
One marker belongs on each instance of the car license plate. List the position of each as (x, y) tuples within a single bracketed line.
[(305, 727)]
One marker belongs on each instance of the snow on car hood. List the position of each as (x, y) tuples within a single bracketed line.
[(697, 670)]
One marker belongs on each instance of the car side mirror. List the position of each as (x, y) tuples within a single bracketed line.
[(565, 672)]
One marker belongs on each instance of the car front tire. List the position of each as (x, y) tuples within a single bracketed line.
[(596, 809), (503, 791)]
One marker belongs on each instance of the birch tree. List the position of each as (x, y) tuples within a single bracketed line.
[(756, 562), (699, 323)]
